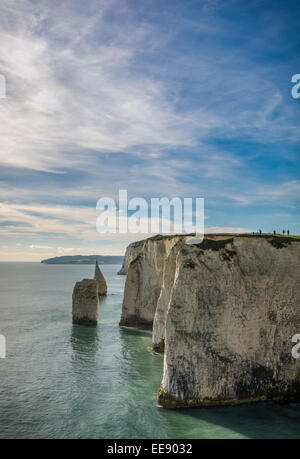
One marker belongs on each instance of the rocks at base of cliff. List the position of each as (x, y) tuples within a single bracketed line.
[(85, 302), (101, 283), (224, 311), (131, 253)]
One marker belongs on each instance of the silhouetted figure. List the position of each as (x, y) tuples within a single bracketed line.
[(288, 232), (283, 232), (260, 232), (274, 232)]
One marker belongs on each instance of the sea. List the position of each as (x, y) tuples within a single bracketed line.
[(60, 380)]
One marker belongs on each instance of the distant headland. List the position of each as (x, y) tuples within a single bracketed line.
[(84, 260)]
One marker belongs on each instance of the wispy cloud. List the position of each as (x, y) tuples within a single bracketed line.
[(68, 94), (176, 101), (74, 86)]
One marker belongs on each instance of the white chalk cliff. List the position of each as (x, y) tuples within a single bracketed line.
[(224, 312), (131, 253), (144, 280)]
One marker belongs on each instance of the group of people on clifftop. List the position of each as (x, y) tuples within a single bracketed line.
[(274, 232)]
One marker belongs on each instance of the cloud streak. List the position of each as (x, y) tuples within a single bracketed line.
[(174, 101), (71, 93), (64, 100)]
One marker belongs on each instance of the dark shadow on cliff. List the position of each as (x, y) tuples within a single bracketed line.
[(256, 420)]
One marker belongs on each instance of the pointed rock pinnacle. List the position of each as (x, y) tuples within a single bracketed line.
[(99, 278)]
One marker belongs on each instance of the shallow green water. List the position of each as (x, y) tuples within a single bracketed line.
[(64, 381)]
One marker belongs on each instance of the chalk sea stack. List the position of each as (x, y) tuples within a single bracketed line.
[(223, 312), (101, 283), (85, 302)]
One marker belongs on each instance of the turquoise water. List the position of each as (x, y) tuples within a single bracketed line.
[(64, 381)]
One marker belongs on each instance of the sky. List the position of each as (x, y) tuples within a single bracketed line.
[(161, 98)]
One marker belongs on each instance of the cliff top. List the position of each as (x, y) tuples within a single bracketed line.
[(223, 236), (217, 241)]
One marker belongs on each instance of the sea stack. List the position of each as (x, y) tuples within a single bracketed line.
[(85, 302), (101, 283)]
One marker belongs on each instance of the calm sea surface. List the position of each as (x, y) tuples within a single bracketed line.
[(64, 381)]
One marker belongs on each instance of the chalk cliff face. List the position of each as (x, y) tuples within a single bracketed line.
[(131, 253), (166, 286), (144, 281), (85, 302), (225, 312)]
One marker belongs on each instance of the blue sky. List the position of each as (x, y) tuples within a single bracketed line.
[(162, 98)]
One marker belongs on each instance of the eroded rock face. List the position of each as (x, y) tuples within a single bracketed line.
[(131, 253), (85, 302), (163, 302), (144, 281), (101, 282), (225, 311), (232, 314)]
